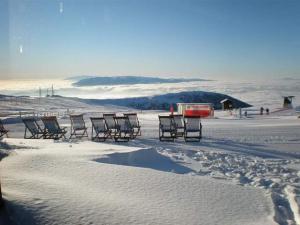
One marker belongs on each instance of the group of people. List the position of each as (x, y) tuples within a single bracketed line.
[(262, 111)]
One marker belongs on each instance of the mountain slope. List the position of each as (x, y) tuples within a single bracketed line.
[(163, 102)]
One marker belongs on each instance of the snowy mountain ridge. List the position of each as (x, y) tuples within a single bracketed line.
[(125, 80)]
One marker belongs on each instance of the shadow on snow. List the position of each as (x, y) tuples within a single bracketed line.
[(146, 158)]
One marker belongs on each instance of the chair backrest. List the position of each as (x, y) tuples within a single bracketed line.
[(178, 120), (51, 124), (165, 122), (1, 126), (77, 121), (31, 124), (110, 120), (98, 124), (133, 119), (123, 123), (192, 123)]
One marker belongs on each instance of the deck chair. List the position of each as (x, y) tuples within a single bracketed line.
[(124, 130), (78, 128), (178, 124), (192, 128), (135, 124), (3, 131), (100, 129), (110, 123), (31, 125), (167, 131), (52, 129)]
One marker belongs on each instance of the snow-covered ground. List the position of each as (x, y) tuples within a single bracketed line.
[(244, 171), (93, 183)]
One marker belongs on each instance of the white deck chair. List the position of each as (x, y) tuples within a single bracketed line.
[(52, 128), (124, 130), (135, 123), (110, 123), (192, 128), (167, 131), (31, 125), (78, 128), (178, 124), (100, 129), (3, 131)]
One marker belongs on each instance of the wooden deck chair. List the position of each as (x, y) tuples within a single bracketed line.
[(78, 128), (178, 124), (52, 128), (135, 124), (192, 128), (100, 129), (110, 123), (31, 125), (124, 130), (167, 131), (3, 131)]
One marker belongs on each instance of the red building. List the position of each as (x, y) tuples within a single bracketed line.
[(196, 109)]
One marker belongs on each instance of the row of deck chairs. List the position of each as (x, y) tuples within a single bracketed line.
[(51, 130), (119, 128), (177, 125)]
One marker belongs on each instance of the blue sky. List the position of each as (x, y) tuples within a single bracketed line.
[(168, 38)]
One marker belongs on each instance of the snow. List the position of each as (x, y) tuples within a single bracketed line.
[(238, 174), (244, 171), (72, 183), (293, 196)]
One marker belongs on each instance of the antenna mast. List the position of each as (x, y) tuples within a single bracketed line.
[(52, 91), (40, 95)]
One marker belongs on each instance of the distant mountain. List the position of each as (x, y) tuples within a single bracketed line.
[(125, 80), (80, 77), (163, 102)]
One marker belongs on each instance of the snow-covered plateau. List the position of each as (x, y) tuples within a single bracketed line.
[(245, 170)]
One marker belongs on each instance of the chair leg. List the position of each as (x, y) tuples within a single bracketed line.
[(86, 133), (26, 136), (72, 134), (25, 133)]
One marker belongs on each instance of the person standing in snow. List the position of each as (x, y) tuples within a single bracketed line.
[(171, 109), (261, 110), (267, 111)]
